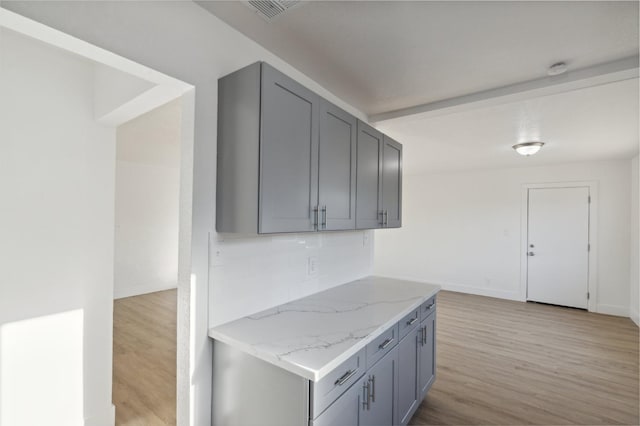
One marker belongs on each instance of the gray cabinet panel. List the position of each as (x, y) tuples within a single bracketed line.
[(288, 154), (345, 411), (238, 155), (369, 188), (408, 397), (427, 364), (381, 382), (392, 183), (337, 168)]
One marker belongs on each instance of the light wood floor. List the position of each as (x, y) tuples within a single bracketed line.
[(499, 363), (144, 359), (512, 363)]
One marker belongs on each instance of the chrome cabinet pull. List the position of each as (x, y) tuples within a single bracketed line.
[(386, 218), (365, 396), (381, 214), (372, 379), (324, 217), (315, 218), (385, 344), (345, 377), (412, 321)]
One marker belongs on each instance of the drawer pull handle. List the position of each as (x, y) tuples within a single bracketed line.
[(430, 306), (346, 376), (412, 321), (386, 343)]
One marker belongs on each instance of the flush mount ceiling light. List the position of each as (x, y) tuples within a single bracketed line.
[(528, 148)]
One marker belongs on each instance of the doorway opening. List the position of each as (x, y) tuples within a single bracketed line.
[(146, 266), (63, 103), (559, 243)]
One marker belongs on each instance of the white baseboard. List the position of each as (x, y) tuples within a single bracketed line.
[(107, 418), (479, 291), (137, 290), (619, 311), (635, 316), (488, 292)]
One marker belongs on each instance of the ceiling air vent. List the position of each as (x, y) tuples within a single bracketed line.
[(271, 9)]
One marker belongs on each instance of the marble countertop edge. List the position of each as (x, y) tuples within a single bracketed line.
[(310, 373)]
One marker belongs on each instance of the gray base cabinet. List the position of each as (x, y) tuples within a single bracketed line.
[(427, 354), (291, 161), (408, 360), (381, 385)]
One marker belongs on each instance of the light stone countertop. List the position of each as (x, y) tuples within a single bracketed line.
[(312, 336)]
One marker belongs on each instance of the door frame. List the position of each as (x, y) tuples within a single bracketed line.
[(592, 285)]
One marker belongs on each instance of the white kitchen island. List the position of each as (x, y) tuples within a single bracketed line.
[(335, 357)]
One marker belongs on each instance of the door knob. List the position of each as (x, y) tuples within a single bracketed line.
[(531, 253)]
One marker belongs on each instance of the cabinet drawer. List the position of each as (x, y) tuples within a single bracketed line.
[(381, 345), (409, 322), (334, 384), (427, 308)]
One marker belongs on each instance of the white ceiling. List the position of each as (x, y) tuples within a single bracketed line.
[(382, 56), (596, 123)]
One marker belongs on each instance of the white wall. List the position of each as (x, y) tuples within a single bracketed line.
[(146, 212), (634, 294), (182, 40), (56, 244), (462, 230)]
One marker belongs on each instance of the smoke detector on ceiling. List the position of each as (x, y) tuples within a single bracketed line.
[(557, 69), (269, 10)]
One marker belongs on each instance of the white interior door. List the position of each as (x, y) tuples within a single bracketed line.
[(557, 244)]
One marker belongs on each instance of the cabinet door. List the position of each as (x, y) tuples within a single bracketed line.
[(427, 352), (408, 397), (382, 385), (392, 183), (288, 155), (369, 186), (337, 168), (345, 411)]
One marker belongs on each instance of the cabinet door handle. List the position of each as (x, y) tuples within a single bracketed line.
[(324, 217), (412, 321), (372, 379), (345, 377), (315, 218), (381, 214), (386, 218), (365, 396), (424, 333), (385, 344)]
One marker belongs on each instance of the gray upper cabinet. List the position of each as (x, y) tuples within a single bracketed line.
[(290, 161), (379, 180), (369, 174), (337, 169), (391, 183), (267, 172), (288, 155)]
